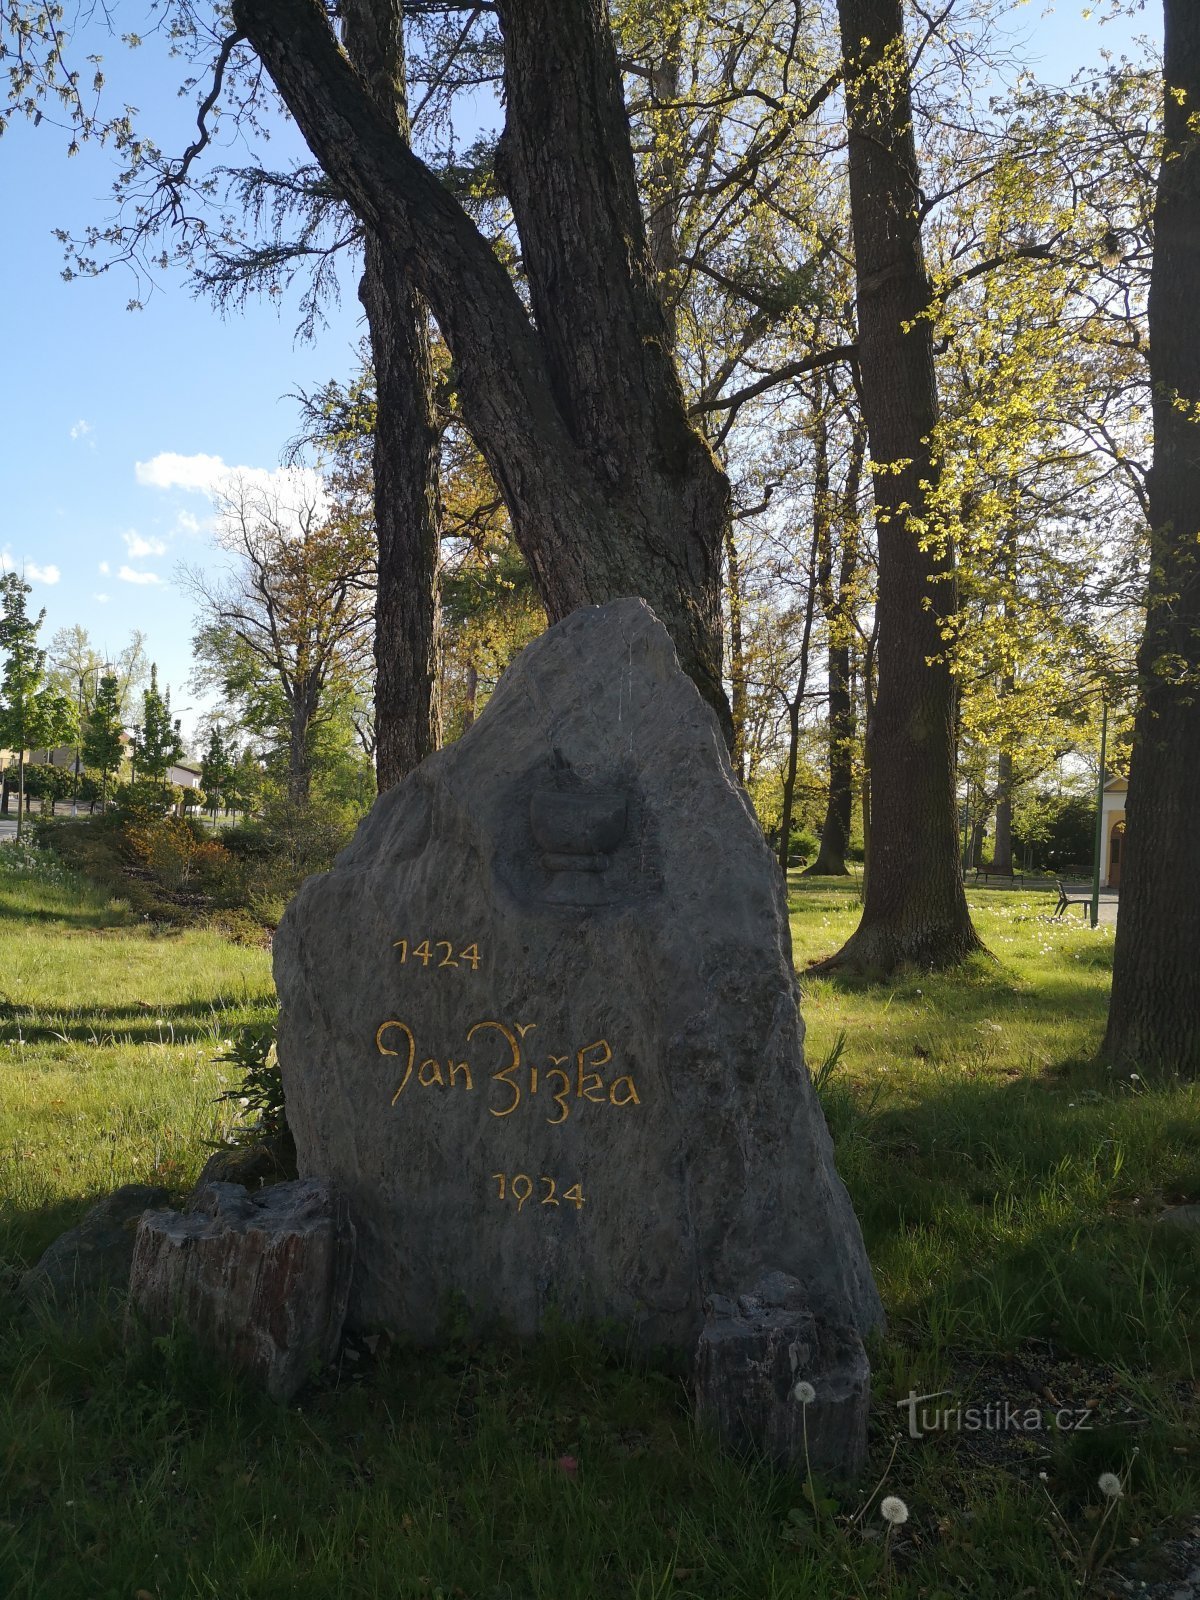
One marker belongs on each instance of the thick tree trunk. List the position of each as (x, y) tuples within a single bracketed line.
[(299, 753), (1154, 1016), (835, 832), (579, 413), (915, 909), (1002, 860), (407, 507)]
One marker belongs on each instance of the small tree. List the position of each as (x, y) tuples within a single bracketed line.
[(103, 744), (32, 713), (159, 743), (216, 771)]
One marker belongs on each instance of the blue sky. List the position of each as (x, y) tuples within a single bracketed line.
[(118, 423)]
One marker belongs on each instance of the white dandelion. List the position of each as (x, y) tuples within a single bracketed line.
[(804, 1392), (893, 1510), (1110, 1486)]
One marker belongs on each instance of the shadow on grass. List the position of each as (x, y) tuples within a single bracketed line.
[(133, 1024), (16, 909)]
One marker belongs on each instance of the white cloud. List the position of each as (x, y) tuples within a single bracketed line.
[(140, 547), (128, 575), (290, 487), (102, 599), (81, 429), (104, 568), (6, 560), (168, 470), (185, 522), (36, 574)]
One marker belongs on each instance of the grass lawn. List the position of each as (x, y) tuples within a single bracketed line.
[(1008, 1192)]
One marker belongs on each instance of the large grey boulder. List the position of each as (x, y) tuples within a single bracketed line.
[(539, 1023), (261, 1280), (94, 1256)]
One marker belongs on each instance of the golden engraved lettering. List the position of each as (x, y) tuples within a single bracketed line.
[(384, 1051), (424, 953), (581, 1060), (520, 1187), (504, 1074), (560, 1098), (426, 1078), (579, 1076)]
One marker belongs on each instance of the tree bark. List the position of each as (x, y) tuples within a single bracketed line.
[(1154, 1014), (915, 909), (796, 703), (838, 605), (835, 831), (405, 457), (579, 413), (1002, 854), (299, 754)]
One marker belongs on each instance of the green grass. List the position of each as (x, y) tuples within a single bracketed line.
[(1007, 1191)]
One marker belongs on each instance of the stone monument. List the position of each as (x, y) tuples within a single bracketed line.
[(539, 1025)]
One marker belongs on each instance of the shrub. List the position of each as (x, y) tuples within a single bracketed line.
[(141, 801)]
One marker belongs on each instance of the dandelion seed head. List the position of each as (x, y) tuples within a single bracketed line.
[(804, 1392), (1110, 1485), (893, 1510)]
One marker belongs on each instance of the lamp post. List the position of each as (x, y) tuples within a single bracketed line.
[(1099, 810)]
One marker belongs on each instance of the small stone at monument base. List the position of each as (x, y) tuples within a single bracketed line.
[(260, 1280), (251, 1165), (94, 1255), (753, 1353)]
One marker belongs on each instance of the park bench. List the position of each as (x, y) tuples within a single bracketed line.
[(1070, 897), (984, 874)]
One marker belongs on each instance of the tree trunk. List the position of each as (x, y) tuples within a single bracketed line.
[(835, 832), (1002, 860), (915, 909), (789, 784), (20, 794), (796, 704), (469, 698), (299, 754), (405, 463), (4, 792), (579, 413), (1154, 1015), (839, 618)]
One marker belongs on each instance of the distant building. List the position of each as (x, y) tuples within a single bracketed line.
[(184, 775), (1112, 834)]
